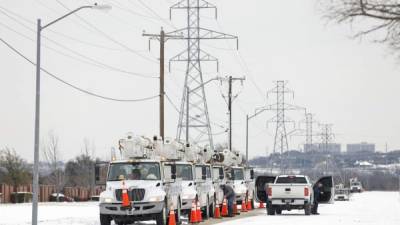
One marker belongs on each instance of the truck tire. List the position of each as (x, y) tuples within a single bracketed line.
[(162, 217), (307, 209), (105, 219), (278, 211), (271, 210), (212, 209), (206, 211), (252, 200), (178, 213)]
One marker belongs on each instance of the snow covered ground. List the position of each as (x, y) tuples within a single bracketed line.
[(375, 208)]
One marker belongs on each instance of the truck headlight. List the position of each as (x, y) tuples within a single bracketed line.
[(105, 200), (156, 199)]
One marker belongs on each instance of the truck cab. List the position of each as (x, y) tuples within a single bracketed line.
[(218, 178), (250, 184), (149, 181), (205, 188), (237, 180), (185, 175)]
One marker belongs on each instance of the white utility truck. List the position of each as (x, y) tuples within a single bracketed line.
[(143, 167), (342, 193), (355, 185), (287, 192), (233, 164)]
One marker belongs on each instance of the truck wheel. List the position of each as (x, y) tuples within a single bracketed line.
[(212, 209), (271, 210), (162, 218), (307, 209), (252, 201), (178, 213), (278, 211), (105, 219), (206, 211)]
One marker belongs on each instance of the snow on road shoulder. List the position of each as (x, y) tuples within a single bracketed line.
[(51, 213), (375, 208)]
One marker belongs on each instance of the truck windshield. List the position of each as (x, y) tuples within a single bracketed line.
[(291, 180), (184, 172), (356, 184), (134, 171), (238, 174)]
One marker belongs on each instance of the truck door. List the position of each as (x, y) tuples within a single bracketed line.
[(261, 195), (327, 193)]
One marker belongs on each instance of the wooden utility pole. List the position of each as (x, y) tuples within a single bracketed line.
[(230, 80), (162, 38)]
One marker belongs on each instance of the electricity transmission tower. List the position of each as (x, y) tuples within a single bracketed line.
[(193, 111), (280, 119), (326, 136), (309, 121)]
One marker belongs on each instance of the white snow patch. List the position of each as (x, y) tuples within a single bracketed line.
[(368, 208)]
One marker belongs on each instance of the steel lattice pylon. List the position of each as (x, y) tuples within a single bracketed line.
[(280, 107), (193, 114)]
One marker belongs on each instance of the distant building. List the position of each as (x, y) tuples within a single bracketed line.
[(362, 147), (334, 148)]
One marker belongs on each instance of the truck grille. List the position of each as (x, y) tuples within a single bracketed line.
[(136, 194)]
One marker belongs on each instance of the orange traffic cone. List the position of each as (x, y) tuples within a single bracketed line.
[(198, 212), (243, 209), (217, 214), (261, 205), (171, 220), (235, 209), (125, 196), (193, 216), (224, 208), (249, 205)]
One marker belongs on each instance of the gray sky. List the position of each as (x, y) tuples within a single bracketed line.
[(348, 83)]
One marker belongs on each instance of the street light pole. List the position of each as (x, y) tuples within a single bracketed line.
[(35, 179), (35, 183)]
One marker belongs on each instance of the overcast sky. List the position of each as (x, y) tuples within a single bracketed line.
[(349, 83)]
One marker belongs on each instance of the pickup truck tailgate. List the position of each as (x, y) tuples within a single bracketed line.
[(284, 191)]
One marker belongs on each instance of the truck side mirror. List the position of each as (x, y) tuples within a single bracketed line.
[(100, 173), (252, 174), (203, 173), (221, 173), (173, 171)]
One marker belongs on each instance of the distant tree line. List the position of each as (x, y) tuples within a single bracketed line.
[(77, 172)]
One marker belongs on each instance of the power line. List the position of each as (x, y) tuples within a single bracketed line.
[(109, 37), (53, 31), (88, 60), (73, 86)]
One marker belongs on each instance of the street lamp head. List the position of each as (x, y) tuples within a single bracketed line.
[(102, 7)]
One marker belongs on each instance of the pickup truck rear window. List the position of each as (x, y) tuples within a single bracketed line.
[(291, 180)]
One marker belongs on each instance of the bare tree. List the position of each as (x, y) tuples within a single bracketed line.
[(89, 164), (382, 17), (52, 155), (14, 169)]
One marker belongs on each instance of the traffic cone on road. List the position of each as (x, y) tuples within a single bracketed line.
[(261, 205), (193, 216), (235, 209), (198, 212), (125, 196), (217, 214), (248, 207), (243, 209), (224, 208), (171, 220)]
